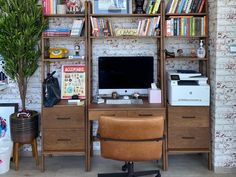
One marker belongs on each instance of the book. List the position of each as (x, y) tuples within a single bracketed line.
[(73, 81), (77, 27)]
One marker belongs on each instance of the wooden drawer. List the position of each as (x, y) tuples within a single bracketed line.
[(188, 116), (66, 117), (146, 113), (64, 140), (188, 138), (94, 115)]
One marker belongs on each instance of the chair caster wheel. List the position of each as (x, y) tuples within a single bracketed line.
[(124, 167)]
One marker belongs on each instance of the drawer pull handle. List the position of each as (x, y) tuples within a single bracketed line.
[(145, 115), (188, 137), (188, 117), (63, 139), (63, 118)]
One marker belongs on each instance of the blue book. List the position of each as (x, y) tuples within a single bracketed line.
[(181, 6)]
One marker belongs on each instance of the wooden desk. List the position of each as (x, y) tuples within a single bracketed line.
[(132, 110)]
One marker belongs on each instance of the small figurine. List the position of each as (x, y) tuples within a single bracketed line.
[(180, 52), (74, 6), (77, 49), (193, 53)]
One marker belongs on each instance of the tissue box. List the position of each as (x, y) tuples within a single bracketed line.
[(154, 95)]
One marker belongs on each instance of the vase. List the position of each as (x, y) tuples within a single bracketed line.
[(139, 6), (24, 130)]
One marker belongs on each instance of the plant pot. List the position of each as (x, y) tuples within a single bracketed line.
[(24, 130)]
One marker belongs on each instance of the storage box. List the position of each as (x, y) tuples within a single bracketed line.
[(154, 95)]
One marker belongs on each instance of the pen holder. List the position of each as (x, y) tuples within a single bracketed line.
[(154, 95)]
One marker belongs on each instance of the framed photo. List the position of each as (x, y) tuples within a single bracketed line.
[(111, 6), (6, 109)]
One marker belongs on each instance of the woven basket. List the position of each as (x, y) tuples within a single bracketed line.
[(24, 130)]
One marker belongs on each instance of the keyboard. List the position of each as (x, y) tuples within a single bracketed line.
[(124, 101)]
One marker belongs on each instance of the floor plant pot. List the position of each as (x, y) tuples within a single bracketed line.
[(24, 130)]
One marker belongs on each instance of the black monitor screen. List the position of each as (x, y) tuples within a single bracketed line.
[(125, 72)]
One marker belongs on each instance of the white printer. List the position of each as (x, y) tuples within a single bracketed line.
[(188, 88)]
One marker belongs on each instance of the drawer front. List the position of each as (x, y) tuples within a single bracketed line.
[(188, 116), (64, 140), (188, 138), (146, 113), (94, 115), (66, 117)]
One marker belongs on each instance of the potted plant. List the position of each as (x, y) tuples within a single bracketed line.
[(21, 26)]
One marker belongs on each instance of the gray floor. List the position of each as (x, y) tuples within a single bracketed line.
[(73, 166)]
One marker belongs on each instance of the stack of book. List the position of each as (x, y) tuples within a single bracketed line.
[(77, 27), (186, 26), (57, 32), (185, 6)]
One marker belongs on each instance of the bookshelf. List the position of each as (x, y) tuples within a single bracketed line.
[(186, 23), (64, 125)]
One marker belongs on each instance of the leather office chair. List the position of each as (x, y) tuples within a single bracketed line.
[(131, 140)]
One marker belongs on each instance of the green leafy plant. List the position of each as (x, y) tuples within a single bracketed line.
[(21, 26)]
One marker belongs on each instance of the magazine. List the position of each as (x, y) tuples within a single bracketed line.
[(73, 81)]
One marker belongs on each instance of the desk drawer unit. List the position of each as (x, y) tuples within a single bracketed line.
[(96, 114), (188, 127), (146, 113), (68, 117), (64, 140)]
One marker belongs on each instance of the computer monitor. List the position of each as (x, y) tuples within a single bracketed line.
[(125, 74)]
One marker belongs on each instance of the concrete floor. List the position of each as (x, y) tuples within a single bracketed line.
[(73, 166)]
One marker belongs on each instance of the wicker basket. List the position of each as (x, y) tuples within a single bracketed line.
[(24, 130)]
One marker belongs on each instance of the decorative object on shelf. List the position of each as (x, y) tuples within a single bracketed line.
[(114, 95), (193, 53), (73, 81), (139, 6), (201, 50), (180, 52), (126, 32), (77, 49), (136, 95), (57, 52), (61, 9), (169, 54), (110, 6), (74, 6)]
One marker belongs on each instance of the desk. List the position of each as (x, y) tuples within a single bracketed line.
[(130, 110)]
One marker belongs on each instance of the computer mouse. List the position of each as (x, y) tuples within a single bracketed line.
[(126, 97)]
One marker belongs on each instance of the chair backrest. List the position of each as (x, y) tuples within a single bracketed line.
[(131, 139)]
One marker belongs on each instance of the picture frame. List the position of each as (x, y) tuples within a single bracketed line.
[(6, 109), (111, 6)]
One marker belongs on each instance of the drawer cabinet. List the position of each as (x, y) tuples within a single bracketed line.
[(63, 129), (188, 128)]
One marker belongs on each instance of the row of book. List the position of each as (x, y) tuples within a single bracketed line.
[(148, 26), (185, 6), (76, 30), (186, 26), (49, 7), (152, 6), (103, 27)]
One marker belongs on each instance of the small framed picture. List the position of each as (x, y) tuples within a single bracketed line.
[(110, 6), (6, 109)]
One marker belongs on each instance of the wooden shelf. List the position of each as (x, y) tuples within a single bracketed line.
[(125, 15), (125, 37), (64, 37), (65, 15), (188, 14), (62, 60), (189, 58)]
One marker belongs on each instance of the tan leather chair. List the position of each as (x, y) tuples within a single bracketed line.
[(131, 140)]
